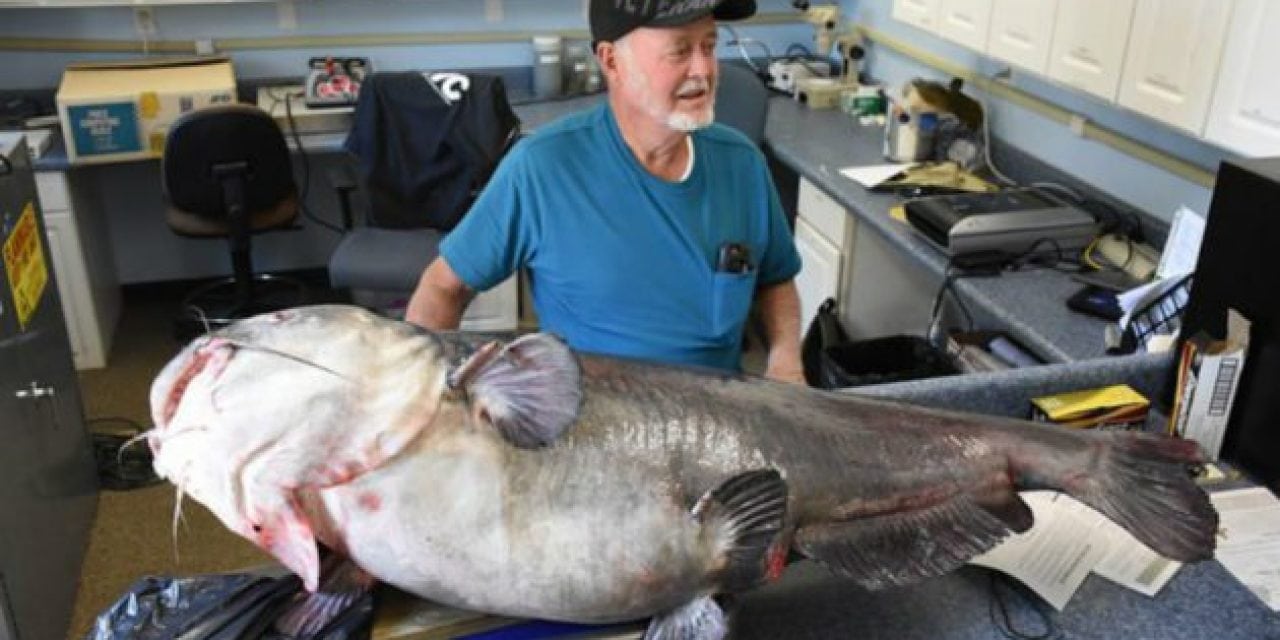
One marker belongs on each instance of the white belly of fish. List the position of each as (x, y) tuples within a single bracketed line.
[(564, 535)]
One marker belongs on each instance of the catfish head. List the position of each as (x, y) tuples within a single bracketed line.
[(248, 417)]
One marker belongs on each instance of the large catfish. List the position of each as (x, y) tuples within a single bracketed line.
[(525, 480)]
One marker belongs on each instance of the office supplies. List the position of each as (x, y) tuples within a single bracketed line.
[(112, 111), (1250, 544), (1096, 301), (1014, 221), (1208, 378), (1116, 407), (873, 175), (334, 82), (733, 257)]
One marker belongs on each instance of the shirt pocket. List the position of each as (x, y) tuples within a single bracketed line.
[(730, 301)]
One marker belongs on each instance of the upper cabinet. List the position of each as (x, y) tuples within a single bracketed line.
[(1089, 41), (1246, 106), (1172, 62), (965, 22), (1022, 32), (921, 13)]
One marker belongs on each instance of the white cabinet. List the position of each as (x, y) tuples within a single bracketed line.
[(1172, 62), (83, 267), (1022, 32), (497, 309), (1246, 108), (1089, 41), (965, 22), (918, 13), (821, 228)]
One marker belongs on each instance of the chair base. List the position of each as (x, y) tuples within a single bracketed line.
[(217, 304)]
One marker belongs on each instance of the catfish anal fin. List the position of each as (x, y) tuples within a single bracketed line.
[(900, 548), (530, 390)]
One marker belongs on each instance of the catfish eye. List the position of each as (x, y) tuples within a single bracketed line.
[(257, 528)]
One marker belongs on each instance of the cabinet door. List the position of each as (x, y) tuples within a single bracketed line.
[(819, 276), (1089, 41), (1172, 62), (966, 22), (1246, 108), (919, 13), (1022, 32)]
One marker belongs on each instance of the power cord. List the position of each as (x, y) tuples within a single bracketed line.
[(1004, 622), (306, 164)]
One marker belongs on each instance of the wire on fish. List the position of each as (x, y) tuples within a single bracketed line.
[(288, 356)]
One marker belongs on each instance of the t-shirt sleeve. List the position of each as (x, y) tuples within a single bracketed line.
[(494, 238), (781, 261)]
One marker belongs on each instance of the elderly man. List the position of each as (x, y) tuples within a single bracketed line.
[(647, 229)]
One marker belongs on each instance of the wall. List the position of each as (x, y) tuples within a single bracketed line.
[(1144, 186), (145, 249), (36, 70)]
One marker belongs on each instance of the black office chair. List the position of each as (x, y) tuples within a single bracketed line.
[(423, 149), (227, 174)]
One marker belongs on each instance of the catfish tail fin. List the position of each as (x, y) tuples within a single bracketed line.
[(1143, 483)]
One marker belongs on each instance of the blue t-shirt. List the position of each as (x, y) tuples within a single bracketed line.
[(622, 262)]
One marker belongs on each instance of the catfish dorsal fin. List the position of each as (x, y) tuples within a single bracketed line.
[(747, 513), (530, 390)]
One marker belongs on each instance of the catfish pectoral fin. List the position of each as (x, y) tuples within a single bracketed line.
[(899, 548), (746, 515), (342, 585)]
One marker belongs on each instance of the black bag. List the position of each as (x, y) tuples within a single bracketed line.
[(426, 147), (832, 361)]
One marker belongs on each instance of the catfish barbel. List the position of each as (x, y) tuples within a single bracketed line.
[(523, 479)]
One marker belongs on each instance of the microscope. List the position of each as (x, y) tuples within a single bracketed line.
[(824, 93)]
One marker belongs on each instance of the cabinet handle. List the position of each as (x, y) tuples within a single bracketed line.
[(35, 391)]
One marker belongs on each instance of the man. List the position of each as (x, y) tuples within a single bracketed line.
[(646, 228)]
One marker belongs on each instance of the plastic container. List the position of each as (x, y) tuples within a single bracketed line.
[(548, 73)]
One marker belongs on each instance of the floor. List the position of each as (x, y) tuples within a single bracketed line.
[(133, 535)]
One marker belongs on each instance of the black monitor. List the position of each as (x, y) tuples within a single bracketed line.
[(1239, 268)]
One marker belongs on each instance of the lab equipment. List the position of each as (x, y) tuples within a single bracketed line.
[(547, 72)]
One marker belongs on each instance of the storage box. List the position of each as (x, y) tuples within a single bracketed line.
[(1114, 407), (112, 111)]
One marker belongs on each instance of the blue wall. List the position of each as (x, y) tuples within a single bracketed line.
[(1142, 185), (28, 70)]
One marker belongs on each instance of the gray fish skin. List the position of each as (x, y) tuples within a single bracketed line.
[(596, 526)]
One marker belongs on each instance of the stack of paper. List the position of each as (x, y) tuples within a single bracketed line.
[(1249, 544), (1068, 541)]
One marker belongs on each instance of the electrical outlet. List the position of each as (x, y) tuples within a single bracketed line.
[(493, 10), (204, 47), (286, 15), (144, 21)]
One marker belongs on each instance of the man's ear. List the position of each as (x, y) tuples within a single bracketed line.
[(607, 56)]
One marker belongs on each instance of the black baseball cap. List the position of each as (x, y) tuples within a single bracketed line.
[(612, 19)]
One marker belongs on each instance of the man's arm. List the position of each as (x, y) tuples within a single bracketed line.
[(779, 306), (441, 297)]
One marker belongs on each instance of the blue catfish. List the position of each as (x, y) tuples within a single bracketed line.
[(524, 479)]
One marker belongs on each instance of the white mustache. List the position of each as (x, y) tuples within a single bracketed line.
[(693, 86)]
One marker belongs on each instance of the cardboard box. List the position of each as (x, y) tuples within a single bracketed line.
[(1114, 407), (1209, 374), (113, 111)]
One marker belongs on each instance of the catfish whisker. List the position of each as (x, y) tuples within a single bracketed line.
[(288, 356)]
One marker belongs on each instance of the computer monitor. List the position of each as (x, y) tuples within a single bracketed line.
[(1239, 268)]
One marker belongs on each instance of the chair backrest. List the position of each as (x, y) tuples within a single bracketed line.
[(206, 148), (742, 101), (425, 144)]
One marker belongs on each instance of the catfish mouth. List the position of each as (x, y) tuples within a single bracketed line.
[(201, 358)]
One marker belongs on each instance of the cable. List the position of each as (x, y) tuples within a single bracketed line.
[(1004, 624), (739, 42), (306, 167), (986, 145), (932, 333)]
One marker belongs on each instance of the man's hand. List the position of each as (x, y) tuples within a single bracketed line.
[(780, 310)]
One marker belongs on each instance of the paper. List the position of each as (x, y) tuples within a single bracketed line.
[(1131, 564), (1052, 558), (1182, 248), (875, 174), (1249, 541)]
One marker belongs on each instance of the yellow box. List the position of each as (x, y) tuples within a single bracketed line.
[(113, 111), (1114, 406)]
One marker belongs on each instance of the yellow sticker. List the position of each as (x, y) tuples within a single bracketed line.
[(148, 105), (24, 262), (156, 142)]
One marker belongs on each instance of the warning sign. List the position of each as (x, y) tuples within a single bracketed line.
[(24, 262)]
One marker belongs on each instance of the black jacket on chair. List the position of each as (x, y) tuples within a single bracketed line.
[(425, 144)]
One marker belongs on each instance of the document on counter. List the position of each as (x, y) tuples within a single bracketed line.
[(1068, 541), (1249, 540), (873, 175)]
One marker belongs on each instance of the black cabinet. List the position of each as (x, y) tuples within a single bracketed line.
[(48, 485)]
